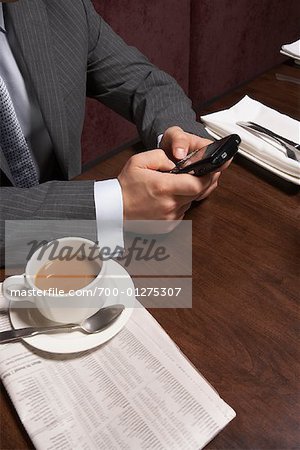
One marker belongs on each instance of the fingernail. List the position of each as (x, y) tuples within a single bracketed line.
[(180, 153)]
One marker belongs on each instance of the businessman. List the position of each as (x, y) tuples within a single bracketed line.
[(52, 54)]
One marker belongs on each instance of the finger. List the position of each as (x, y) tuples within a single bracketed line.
[(225, 166), (213, 180), (184, 209), (180, 142), (215, 176), (208, 191), (185, 184), (179, 213), (153, 159), (187, 142), (180, 216), (197, 142)]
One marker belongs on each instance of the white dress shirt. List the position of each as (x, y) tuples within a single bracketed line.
[(107, 194)]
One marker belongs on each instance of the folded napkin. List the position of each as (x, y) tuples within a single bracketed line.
[(265, 153), (292, 49)]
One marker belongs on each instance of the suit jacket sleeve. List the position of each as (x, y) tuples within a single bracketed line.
[(51, 200), (123, 79)]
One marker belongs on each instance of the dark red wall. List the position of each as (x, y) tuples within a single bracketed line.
[(234, 40)]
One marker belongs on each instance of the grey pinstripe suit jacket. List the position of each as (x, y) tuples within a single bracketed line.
[(71, 52)]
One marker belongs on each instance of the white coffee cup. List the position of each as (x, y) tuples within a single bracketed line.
[(69, 307)]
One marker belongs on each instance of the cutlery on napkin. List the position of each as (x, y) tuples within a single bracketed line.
[(292, 149), (268, 154)]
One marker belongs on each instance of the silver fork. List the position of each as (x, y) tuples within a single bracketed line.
[(292, 149)]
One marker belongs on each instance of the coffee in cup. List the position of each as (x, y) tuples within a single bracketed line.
[(67, 275), (61, 279)]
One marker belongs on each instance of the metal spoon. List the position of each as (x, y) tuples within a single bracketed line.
[(93, 324)]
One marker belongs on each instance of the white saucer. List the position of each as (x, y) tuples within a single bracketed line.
[(76, 341)]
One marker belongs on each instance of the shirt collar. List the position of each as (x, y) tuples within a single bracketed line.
[(2, 24)]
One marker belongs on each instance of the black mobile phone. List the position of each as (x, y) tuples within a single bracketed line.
[(210, 157)]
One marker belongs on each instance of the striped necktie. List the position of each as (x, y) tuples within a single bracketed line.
[(13, 143)]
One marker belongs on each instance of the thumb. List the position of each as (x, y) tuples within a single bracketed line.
[(179, 143), (154, 159)]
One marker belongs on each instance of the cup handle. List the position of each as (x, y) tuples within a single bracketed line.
[(15, 283)]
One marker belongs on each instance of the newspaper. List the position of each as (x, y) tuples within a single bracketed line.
[(137, 391)]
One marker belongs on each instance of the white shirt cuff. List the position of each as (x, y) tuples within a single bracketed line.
[(159, 138), (109, 215)]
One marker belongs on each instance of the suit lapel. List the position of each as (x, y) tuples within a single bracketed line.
[(31, 26)]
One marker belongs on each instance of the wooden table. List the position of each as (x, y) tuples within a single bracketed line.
[(242, 330)]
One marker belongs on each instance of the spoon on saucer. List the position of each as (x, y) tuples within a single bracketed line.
[(93, 324)]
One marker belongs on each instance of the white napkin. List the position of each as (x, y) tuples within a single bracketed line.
[(267, 154), (292, 49)]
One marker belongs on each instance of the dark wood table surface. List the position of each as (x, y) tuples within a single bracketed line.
[(242, 332)]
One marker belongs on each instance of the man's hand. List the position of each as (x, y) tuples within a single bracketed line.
[(178, 143), (151, 194)]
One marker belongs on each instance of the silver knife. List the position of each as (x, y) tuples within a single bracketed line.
[(272, 133), (292, 149)]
